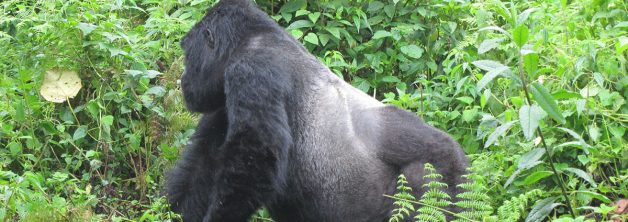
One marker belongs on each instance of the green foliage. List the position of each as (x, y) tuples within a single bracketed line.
[(467, 67)]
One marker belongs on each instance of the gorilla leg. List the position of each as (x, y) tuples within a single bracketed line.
[(410, 143), (189, 183)]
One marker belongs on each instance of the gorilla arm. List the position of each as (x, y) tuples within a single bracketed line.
[(258, 138)]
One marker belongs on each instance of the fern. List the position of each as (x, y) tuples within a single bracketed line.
[(512, 209), (434, 198), (474, 201), (403, 198)]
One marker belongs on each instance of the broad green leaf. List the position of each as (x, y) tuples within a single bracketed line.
[(488, 65), (527, 161), (412, 50), (531, 158), (292, 6), (107, 120), (465, 99), (335, 31), (529, 118), (20, 112), (489, 44), (495, 28), (297, 34), (311, 38), (536, 176), (390, 79), (531, 63), (541, 209), (80, 133), (86, 28), (563, 94), (15, 148), (300, 24), (499, 131), (314, 16), (524, 15), (469, 115), (520, 35), (375, 6), (580, 173), (381, 34), (302, 12), (595, 195), (622, 45), (577, 136), (489, 76), (546, 101)]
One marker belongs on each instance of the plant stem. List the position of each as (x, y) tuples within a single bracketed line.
[(550, 157)]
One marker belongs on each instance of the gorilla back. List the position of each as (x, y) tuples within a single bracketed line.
[(280, 130)]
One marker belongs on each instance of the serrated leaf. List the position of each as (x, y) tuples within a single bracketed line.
[(529, 118), (520, 35), (381, 34), (547, 102), (584, 175), (80, 133), (499, 131), (412, 50), (311, 38), (541, 209), (489, 44), (300, 24)]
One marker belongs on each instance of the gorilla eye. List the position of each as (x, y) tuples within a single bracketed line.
[(209, 37)]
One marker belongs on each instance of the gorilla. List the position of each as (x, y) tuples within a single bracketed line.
[(280, 130)]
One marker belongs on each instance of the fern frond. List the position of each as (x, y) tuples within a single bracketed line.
[(403, 196)]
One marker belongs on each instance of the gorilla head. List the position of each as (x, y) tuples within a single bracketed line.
[(208, 47), (280, 130)]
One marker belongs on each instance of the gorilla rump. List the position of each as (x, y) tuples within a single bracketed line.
[(280, 130)]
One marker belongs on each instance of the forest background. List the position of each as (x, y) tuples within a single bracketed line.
[(535, 91)]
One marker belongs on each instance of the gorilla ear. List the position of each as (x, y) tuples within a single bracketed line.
[(209, 37)]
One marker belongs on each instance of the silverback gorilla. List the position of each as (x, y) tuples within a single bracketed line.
[(280, 130)]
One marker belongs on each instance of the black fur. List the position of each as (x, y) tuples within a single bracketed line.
[(280, 130)]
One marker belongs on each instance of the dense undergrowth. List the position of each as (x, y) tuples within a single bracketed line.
[(535, 91)]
